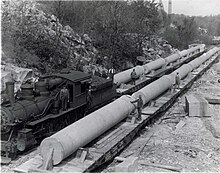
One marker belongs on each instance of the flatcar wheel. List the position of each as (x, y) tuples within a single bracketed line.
[(21, 145)]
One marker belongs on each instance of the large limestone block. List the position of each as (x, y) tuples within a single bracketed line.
[(196, 105), (216, 67)]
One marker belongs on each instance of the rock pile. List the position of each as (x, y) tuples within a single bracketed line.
[(55, 46), (156, 47)]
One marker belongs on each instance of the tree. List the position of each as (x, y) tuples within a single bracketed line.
[(187, 32), (218, 30), (118, 28), (183, 32)]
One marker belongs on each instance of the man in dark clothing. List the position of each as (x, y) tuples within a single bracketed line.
[(89, 97), (140, 105), (133, 76), (177, 81), (64, 97)]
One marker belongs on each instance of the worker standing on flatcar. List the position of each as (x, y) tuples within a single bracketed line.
[(89, 96), (140, 105), (111, 72), (177, 81), (64, 97), (133, 76)]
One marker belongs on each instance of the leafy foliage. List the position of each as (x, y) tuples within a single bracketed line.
[(209, 22), (117, 27), (218, 30), (182, 32), (185, 30)]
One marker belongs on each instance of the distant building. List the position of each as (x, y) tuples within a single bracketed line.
[(216, 40)]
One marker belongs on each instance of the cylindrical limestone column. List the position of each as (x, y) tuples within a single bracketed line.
[(80, 133)]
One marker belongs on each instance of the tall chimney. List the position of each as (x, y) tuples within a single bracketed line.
[(170, 7), (10, 91), (169, 12)]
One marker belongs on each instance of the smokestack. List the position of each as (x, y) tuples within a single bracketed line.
[(170, 7), (169, 12), (10, 91)]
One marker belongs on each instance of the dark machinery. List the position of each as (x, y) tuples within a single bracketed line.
[(36, 112)]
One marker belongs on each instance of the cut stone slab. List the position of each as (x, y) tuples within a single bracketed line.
[(149, 110), (216, 67), (128, 165), (213, 100), (196, 105)]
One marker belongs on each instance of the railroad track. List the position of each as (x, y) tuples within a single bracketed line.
[(109, 144)]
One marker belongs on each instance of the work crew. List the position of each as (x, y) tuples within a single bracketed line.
[(64, 97), (133, 76), (139, 107), (177, 81)]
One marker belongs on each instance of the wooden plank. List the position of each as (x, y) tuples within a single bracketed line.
[(75, 165), (48, 162), (168, 167), (179, 125), (5, 160), (108, 136), (33, 163), (143, 162), (145, 143), (149, 110)]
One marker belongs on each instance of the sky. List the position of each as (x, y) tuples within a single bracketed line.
[(194, 7)]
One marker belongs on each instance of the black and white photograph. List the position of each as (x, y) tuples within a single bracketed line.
[(110, 86)]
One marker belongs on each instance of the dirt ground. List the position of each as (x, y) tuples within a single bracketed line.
[(189, 143)]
